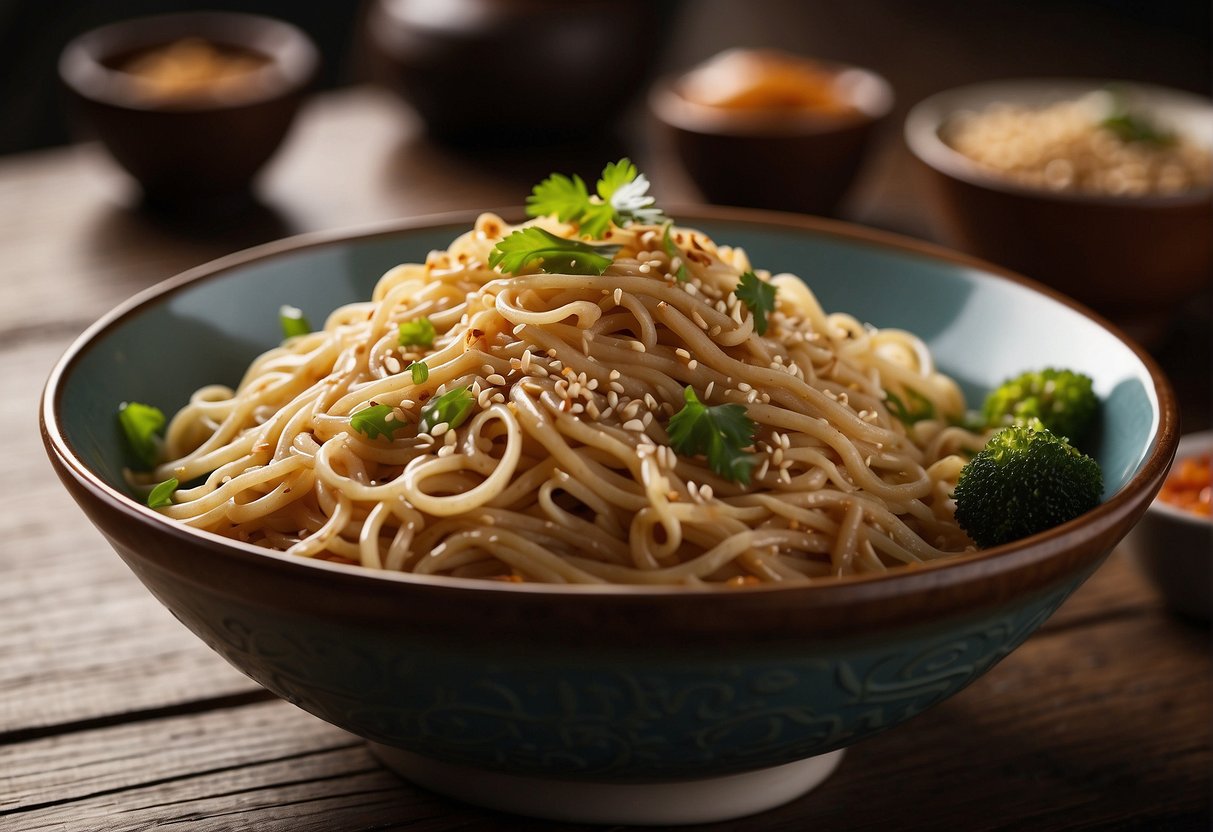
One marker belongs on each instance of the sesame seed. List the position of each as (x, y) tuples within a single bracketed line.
[(633, 424), (487, 369), (440, 428), (498, 398), (518, 329), (392, 363), (763, 468), (612, 398), (692, 364), (680, 352), (496, 379), (714, 331), (618, 296), (525, 362), (644, 268), (446, 450), (637, 346), (698, 319), (616, 387)]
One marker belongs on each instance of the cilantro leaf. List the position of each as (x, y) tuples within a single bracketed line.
[(759, 296), (555, 254), (626, 190), (621, 196), (558, 196), (719, 432), (671, 249), (293, 322), (452, 407), (140, 424), (162, 494), (375, 421), (417, 333), (420, 371), (918, 408)]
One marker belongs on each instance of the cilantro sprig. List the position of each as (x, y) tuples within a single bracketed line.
[(719, 432), (452, 407), (621, 197), (759, 296), (140, 424), (417, 333), (554, 254), (162, 494), (293, 321)]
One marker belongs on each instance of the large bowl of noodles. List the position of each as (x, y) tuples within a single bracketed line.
[(719, 691)]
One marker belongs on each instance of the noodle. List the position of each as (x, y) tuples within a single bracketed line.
[(564, 471)]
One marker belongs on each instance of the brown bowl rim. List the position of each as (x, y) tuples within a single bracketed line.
[(1017, 558), (921, 135), (673, 109), (293, 58)]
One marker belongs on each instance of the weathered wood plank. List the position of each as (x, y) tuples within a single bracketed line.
[(1017, 750)]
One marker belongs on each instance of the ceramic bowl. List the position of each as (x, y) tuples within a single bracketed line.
[(1131, 257), (773, 159), (610, 704), (1174, 547), (183, 148), (491, 73)]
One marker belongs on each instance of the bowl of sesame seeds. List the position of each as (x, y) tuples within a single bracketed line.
[(1101, 189), (606, 703)]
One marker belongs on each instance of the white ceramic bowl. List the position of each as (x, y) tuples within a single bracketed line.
[(1174, 547)]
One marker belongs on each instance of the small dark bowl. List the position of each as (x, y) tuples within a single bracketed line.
[(490, 73), (1133, 258), (775, 159), (187, 148)]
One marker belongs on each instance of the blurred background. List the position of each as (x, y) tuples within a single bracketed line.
[(923, 46), (360, 152)]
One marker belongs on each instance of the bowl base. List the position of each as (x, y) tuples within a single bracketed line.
[(664, 803)]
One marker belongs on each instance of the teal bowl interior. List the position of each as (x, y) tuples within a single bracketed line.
[(981, 329), (488, 700)]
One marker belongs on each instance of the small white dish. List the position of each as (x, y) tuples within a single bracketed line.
[(1174, 547)]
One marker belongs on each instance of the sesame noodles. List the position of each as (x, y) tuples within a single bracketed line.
[(563, 471)]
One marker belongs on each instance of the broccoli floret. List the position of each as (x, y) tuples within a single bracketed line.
[(1025, 480), (1061, 399)]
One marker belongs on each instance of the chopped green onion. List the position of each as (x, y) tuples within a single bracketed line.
[(420, 372), (293, 322), (375, 421), (162, 494), (671, 250), (417, 333), (452, 407), (140, 423)]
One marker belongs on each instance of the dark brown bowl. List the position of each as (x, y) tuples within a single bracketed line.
[(490, 73), (1132, 258), (790, 162), (182, 149)]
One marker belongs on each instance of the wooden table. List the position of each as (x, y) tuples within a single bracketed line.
[(114, 717)]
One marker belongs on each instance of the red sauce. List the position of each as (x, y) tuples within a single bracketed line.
[(1188, 485)]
